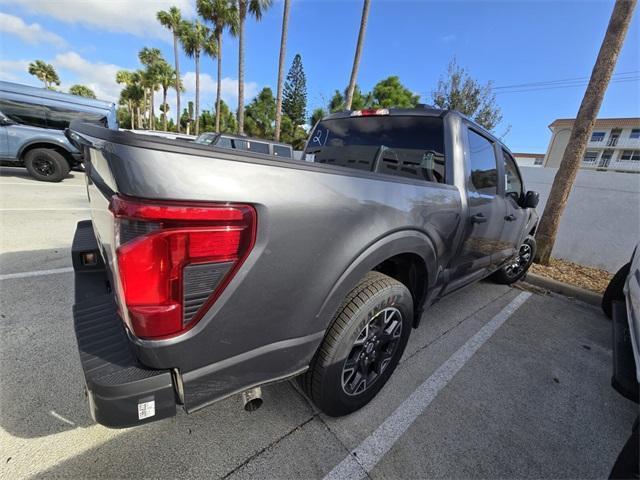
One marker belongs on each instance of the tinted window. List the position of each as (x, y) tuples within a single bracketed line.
[(205, 138), (59, 118), (224, 142), (281, 151), (484, 174), (406, 146), (24, 113), (512, 180), (240, 144), (258, 147)]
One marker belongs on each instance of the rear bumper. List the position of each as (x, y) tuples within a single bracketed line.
[(121, 391)]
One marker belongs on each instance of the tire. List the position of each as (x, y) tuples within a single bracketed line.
[(46, 165), (513, 272), (377, 300), (614, 291)]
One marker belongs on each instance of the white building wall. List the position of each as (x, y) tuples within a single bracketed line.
[(601, 225)]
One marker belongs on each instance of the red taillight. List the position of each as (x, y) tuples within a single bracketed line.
[(370, 112), (174, 259)]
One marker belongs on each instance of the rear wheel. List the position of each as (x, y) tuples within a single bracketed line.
[(46, 165), (517, 268), (362, 346)]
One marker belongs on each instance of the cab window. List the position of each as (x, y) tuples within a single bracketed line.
[(512, 180), (482, 161), (281, 151)]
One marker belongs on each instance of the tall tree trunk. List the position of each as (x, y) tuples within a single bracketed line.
[(582, 127), (283, 51), (197, 129), (145, 101), (140, 121), (164, 107), (152, 108), (177, 57), (132, 116), (356, 58), (219, 86), (242, 13)]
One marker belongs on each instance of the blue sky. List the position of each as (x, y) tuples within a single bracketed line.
[(507, 42)]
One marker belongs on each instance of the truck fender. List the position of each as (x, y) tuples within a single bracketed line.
[(397, 243)]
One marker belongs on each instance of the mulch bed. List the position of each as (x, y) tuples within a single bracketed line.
[(589, 278)]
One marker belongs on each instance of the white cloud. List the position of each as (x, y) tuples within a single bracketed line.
[(137, 18), (229, 89), (100, 77), (13, 70), (448, 38), (32, 34)]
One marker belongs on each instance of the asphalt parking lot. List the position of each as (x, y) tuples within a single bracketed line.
[(497, 382)]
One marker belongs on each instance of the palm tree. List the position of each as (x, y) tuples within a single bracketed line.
[(196, 38), (45, 72), (82, 91), (255, 8), (172, 19), (223, 14), (167, 78), (283, 49), (582, 127), (150, 57), (356, 58), (132, 94)]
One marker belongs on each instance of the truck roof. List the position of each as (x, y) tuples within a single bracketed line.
[(37, 92), (422, 111)]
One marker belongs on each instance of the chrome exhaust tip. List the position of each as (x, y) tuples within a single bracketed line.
[(252, 399)]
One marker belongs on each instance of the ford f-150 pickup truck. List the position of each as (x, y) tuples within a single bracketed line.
[(206, 272)]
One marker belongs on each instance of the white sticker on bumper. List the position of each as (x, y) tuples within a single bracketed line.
[(146, 409)]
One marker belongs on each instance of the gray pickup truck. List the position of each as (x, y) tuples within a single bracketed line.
[(207, 272)]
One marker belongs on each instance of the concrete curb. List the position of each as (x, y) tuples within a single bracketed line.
[(578, 293)]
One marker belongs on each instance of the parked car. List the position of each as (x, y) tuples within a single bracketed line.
[(204, 272), (32, 123), (239, 142), (621, 303)]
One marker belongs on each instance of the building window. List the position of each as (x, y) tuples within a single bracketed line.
[(590, 157), (597, 136), (635, 133), (630, 156), (538, 161)]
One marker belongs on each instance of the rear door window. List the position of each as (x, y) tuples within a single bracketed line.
[(258, 147), (280, 151), (482, 162), (60, 118)]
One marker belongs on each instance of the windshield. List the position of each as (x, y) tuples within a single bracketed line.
[(407, 146)]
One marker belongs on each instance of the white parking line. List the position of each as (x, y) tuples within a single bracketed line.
[(367, 455), (44, 209), (41, 184), (36, 273)]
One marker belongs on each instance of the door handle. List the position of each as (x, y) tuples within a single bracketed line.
[(478, 218), (510, 218)]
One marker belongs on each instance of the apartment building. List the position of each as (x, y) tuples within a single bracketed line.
[(529, 159), (614, 144)]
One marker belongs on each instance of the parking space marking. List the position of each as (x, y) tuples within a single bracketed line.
[(44, 209), (36, 273), (366, 456), (41, 184)]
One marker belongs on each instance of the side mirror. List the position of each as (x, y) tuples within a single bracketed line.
[(531, 199)]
